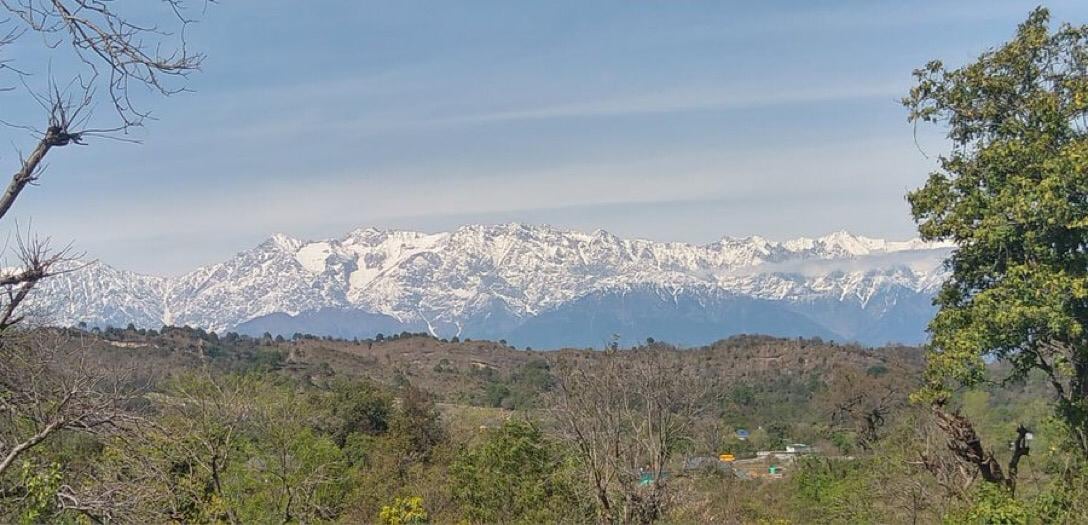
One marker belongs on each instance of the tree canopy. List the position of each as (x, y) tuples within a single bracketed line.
[(1012, 194)]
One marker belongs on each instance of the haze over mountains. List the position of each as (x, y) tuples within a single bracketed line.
[(531, 285)]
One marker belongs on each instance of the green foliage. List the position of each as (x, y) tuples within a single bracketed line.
[(416, 427), (826, 491), (844, 441), (743, 395), (1065, 499), (520, 389), (1010, 194), (741, 448), (243, 448), (876, 370), (404, 511), (991, 504), (297, 476), (444, 367), (495, 393), (290, 471), (514, 476), (358, 407), (280, 446), (41, 485), (778, 435)]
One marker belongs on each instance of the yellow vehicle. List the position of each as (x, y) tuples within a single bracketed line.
[(727, 457)]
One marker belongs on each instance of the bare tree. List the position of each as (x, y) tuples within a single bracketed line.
[(116, 56), (51, 384), (118, 51), (862, 402), (626, 414)]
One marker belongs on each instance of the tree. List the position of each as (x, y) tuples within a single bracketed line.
[(408, 459), (200, 442), (404, 511), (51, 385), (116, 55), (113, 53), (514, 476), (106, 54), (625, 414), (292, 473), (236, 449), (416, 427), (1012, 194), (863, 402), (359, 408)]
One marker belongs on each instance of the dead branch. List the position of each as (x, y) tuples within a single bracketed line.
[(37, 262), (113, 46), (626, 413), (50, 385), (964, 442), (117, 52)]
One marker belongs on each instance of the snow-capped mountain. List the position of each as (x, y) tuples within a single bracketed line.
[(532, 285)]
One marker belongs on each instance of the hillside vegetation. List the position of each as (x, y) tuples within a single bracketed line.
[(234, 428)]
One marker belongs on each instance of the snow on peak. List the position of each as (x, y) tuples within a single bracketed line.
[(847, 243), (284, 242), (448, 277)]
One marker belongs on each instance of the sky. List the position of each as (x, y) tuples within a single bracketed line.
[(681, 121)]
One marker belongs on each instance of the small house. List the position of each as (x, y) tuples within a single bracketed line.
[(798, 448)]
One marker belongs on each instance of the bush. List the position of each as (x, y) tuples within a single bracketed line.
[(514, 475), (404, 511)]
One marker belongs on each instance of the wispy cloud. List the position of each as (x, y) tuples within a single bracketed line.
[(684, 101), (918, 261)]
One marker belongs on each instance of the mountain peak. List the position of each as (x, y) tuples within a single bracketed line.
[(284, 242), (364, 232), (851, 244)]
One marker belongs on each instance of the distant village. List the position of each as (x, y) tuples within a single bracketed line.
[(768, 464)]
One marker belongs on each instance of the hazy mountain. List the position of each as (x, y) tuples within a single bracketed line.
[(531, 285)]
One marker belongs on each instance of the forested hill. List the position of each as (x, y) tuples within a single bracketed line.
[(488, 372)]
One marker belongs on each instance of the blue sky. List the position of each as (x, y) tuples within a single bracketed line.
[(665, 120)]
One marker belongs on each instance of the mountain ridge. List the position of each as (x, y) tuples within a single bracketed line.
[(494, 280)]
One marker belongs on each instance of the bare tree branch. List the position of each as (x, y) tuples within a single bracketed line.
[(50, 386), (964, 442), (121, 51), (626, 413)]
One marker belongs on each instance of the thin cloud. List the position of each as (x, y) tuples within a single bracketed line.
[(918, 261), (679, 101)]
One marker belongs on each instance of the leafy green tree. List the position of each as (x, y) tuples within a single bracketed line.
[(1012, 194), (529, 381), (238, 449), (514, 476), (359, 407), (495, 393), (40, 486)]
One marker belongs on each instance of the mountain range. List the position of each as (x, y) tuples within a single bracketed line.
[(533, 286)]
